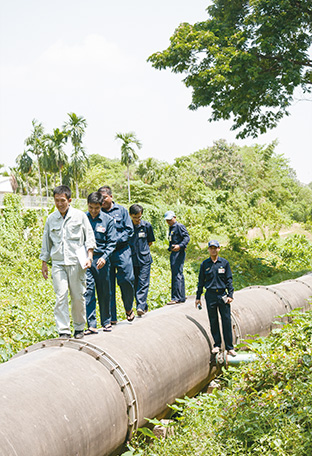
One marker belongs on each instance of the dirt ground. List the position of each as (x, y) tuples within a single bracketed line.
[(296, 228)]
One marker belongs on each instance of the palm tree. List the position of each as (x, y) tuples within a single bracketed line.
[(150, 170), (36, 143), (55, 145), (128, 154), (25, 164), (75, 128), (47, 166), (78, 167)]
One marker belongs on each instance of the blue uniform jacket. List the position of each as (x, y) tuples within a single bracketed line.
[(215, 276), (123, 224), (178, 235), (140, 251), (105, 234)]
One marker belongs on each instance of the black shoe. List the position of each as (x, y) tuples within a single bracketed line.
[(64, 336), (79, 334)]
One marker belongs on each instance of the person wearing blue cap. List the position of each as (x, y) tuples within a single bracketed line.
[(178, 240), (216, 276)]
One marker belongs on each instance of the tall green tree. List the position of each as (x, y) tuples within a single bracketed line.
[(220, 166), (128, 154), (75, 128), (36, 145), (245, 61), (25, 164), (47, 165), (150, 170), (56, 141)]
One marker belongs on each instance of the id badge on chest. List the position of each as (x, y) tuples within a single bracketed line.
[(141, 234), (221, 270), (100, 229)]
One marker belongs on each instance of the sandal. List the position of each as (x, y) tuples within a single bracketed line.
[(90, 331), (130, 316), (107, 328)]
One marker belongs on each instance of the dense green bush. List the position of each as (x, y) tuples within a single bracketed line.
[(263, 408), (26, 299)]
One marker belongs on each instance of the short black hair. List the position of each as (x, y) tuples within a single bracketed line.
[(95, 198), (135, 209), (62, 189), (105, 189)]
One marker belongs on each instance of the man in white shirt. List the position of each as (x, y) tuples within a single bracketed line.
[(65, 232)]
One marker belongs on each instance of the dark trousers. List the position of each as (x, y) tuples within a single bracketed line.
[(141, 284), (97, 279), (177, 277), (214, 302), (122, 269)]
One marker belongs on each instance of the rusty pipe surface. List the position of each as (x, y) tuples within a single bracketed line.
[(86, 397)]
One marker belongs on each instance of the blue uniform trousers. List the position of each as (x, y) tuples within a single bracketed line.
[(122, 269), (214, 302), (141, 284), (177, 277), (98, 279)]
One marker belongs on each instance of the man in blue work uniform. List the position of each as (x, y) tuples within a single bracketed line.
[(120, 260), (97, 276), (178, 240), (216, 276), (140, 243)]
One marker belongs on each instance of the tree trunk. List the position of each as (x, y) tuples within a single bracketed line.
[(60, 176), (77, 190), (27, 185), (46, 181), (129, 196), (39, 176)]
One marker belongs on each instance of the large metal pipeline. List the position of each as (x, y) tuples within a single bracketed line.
[(86, 397)]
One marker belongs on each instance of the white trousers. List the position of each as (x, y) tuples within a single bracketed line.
[(72, 279)]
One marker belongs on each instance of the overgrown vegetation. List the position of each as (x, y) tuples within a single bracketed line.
[(27, 300), (220, 192), (262, 408)]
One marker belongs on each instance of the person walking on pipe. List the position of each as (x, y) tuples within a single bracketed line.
[(143, 237), (120, 260), (216, 276), (97, 276), (67, 232), (178, 240)]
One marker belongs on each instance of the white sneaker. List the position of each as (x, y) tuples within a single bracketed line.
[(215, 350), (232, 352), (140, 312)]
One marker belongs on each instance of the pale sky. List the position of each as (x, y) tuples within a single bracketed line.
[(89, 57)]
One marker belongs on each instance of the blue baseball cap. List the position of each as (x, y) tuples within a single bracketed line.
[(169, 215), (213, 244)]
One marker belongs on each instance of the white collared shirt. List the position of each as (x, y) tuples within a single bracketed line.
[(62, 237)]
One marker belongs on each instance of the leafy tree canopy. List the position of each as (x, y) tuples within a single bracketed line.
[(245, 61)]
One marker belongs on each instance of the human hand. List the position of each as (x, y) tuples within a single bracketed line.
[(44, 270), (88, 263), (100, 263), (175, 248)]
